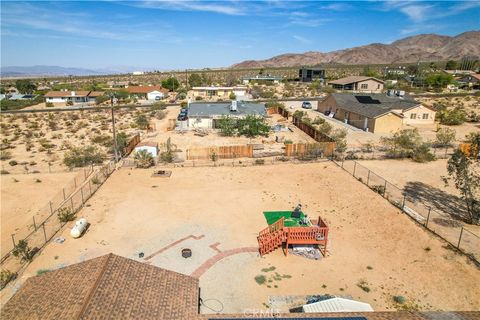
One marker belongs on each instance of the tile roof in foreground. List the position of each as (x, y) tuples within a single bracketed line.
[(107, 287)]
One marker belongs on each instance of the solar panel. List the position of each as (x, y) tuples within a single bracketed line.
[(367, 100)]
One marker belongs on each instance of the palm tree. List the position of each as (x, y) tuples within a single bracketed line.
[(143, 159)]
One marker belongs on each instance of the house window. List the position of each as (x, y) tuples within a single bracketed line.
[(364, 86), (413, 116), (425, 116), (378, 86)]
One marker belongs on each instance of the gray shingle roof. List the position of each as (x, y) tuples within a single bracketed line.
[(372, 105), (206, 110), (353, 79)]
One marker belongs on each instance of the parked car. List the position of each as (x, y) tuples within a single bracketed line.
[(306, 105)]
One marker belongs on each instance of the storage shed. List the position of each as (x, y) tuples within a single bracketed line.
[(337, 305)]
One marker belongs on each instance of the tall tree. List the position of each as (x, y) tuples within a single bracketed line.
[(195, 80), (464, 173), (171, 84), (25, 86)]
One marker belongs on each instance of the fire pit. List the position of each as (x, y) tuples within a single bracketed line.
[(186, 253)]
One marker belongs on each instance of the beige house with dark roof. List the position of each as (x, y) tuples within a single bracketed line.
[(358, 84), (376, 113)]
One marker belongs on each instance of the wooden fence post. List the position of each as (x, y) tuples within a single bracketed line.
[(71, 201), (428, 217), (385, 189), (460, 238), (404, 198), (368, 178), (44, 232), (51, 208), (34, 224), (354, 168), (13, 240)]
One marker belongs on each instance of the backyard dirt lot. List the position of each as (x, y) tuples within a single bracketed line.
[(217, 212), (24, 196)]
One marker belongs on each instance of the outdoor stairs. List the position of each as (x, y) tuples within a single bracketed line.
[(270, 241)]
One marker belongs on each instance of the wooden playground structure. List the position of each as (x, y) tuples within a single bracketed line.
[(277, 234)]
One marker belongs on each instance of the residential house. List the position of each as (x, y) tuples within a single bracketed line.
[(206, 115), (219, 92), (378, 113), (93, 95), (262, 79), (121, 84), (112, 287), (66, 96), (358, 84), (311, 74), (147, 92), (469, 81)]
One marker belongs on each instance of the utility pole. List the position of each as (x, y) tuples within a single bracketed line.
[(115, 153), (186, 79)]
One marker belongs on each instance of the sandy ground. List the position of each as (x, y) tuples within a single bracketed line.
[(17, 212), (222, 208)]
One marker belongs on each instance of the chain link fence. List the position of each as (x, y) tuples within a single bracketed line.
[(72, 198), (441, 223)]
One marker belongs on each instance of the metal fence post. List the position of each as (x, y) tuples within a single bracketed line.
[(428, 217), (34, 224), (44, 232), (13, 240), (403, 204), (385, 189), (354, 168), (460, 238), (368, 178)]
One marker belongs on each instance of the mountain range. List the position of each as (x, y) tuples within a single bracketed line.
[(423, 48), (41, 70)]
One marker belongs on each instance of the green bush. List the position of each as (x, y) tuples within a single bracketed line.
[(399, 299), (454, 117), (83, 156), (143, 159), (422, 153), (23, 251), (66, 215), (260, 279), (5, 277), (13, 163), (49, 105)]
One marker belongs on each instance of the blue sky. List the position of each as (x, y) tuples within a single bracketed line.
[(196, 34)]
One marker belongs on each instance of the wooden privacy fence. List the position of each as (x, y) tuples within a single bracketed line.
[(131, 144), (280, 110), (223, 152), (311, 130), (323, 149)]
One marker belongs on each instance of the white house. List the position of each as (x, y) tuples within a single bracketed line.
[(147, 92), (65, 96), (337, 305), (155, 95)]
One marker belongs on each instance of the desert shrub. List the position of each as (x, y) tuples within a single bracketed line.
[(23, 251), (141, 121), (49, 105), (5, 155), (363, 284), (259, 161), (101, 99), (166, 156), (288, 141), (422, 153), (66, 215), (214, 156), (13, 163), (402, 144), (143, 159), (445, 137), (399, 299), (69, 103), (46, 145), (318, 120), (378, 189), (198, 98), (42, 271), (260, 279), (83, 156), (5, 277), (103, 140), (95, 180), (160, 114), (453, 117)]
